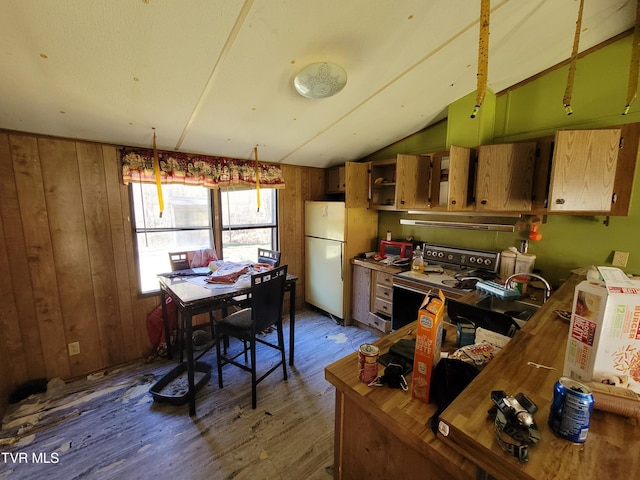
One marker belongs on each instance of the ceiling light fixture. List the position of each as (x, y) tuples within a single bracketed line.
[(320, 80)]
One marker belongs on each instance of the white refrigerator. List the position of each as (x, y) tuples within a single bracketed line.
[(333, 236)]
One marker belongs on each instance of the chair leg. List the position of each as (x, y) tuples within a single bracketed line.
[(219, 362), (254, 387), (280, 329)]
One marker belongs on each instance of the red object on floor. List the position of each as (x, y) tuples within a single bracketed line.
[(155, 323)]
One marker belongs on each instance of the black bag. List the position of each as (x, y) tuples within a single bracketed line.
[(450, 378)]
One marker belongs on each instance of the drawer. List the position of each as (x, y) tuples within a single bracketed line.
[(383, 306), (379, 323), (384, 293), (385, 279)]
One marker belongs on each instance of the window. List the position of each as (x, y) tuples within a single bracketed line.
[(244, 228), (185, 225)]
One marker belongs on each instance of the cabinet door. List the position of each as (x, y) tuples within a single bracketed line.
[(456, 181), (357, 184), (361, 294), (412, 182), (334, 180), (505, 177), (583, 170)]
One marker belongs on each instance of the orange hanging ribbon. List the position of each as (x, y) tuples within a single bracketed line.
[(568, 92), (156, 169), (632, 89), (255, 151), (483, 55)]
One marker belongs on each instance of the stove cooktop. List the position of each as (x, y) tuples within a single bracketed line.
[(456, 269)]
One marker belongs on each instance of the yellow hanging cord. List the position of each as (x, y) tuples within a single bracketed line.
[(568, 92), (632, 89), (255, 151), (156, 169), (483, 55)]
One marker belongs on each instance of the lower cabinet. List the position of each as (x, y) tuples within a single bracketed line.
[(372, 295)]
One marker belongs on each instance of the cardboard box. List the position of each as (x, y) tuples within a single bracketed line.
[(604, 335), (428, 344)]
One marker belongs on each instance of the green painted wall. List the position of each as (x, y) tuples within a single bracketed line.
[(532, 110)]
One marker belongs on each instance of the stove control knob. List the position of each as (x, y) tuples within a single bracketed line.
[(450, 257), (487, 261), (472, 259), (440, 254)]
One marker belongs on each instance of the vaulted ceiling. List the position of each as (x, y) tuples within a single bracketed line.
[(216, 76)]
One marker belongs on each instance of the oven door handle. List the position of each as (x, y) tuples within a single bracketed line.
[(414, 290)]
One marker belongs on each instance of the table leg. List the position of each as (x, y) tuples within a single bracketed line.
[(292, 320), (190, 363), (165, 320)]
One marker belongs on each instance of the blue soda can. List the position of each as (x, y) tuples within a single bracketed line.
[(570, 413)]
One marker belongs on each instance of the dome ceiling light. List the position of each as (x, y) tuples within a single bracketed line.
[(320, 80)]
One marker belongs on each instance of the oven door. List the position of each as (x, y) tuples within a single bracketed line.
[(405, 306)]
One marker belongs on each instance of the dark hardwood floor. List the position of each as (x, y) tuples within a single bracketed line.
[(107, 426)]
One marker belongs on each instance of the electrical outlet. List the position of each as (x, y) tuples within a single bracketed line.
[(74, 348), (620, 259)]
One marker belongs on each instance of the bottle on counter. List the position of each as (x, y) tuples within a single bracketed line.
[(417, 265)]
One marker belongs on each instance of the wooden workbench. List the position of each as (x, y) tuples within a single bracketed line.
[(384, 433)]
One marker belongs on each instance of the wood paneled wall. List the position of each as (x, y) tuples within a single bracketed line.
[(67, 260)]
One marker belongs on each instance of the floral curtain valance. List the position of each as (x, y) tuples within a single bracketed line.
[(208, 171)]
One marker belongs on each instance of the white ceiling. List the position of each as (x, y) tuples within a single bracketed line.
[(216, 76)]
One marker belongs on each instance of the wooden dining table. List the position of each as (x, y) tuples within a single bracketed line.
[(193, 295)]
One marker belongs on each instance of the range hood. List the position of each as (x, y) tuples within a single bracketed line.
[(464, 221)]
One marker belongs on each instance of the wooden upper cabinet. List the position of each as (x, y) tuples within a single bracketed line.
[(400, 183), (412, 182), (357, 184), (504, 178), (583, 170), (449, 185), (334, 180)]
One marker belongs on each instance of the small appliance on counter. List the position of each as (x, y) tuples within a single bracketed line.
[(394, 247)]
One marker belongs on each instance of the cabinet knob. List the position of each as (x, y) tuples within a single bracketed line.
[(453, 202), (559, 201), (483, 202)]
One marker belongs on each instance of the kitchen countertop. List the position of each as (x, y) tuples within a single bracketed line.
[(374, 265), (610, 450), (613, 441)]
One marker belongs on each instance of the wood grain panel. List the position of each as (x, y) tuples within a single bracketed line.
[(18, 323), (627, 160), (584, 166), (505, 165), (67, 223), (39, 252), (101, 257), (118, 223)]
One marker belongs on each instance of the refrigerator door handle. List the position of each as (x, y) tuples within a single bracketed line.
[(342, 261)]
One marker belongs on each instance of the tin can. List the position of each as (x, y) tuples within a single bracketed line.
[(571, 409), (368, 362)]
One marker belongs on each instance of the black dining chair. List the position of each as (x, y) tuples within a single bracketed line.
[(267, 295), (184, 261), (270, 257), (265, 257)]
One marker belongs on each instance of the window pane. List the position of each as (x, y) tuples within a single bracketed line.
[(245, 229), (240, 207), (185, 225), (244, 244), (184, 206)]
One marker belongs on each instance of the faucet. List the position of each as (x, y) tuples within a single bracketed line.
[(547, 287)]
